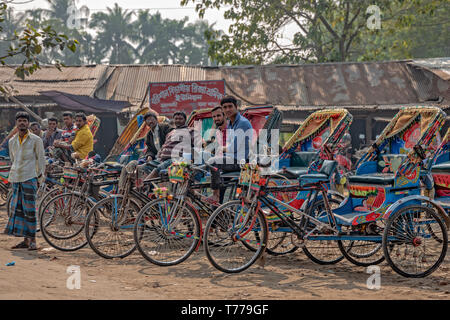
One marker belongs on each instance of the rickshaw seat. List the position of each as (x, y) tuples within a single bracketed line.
[(442, 167), (114, 165), (313, 178), (323, 175), (302, 159), (374, 178), (293, 172), (233, 174)]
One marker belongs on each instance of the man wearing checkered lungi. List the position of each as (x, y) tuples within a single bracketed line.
[(28, 165)]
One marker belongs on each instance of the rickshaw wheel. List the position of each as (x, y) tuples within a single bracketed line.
[(415, 241), (323, 252), (363, 253)]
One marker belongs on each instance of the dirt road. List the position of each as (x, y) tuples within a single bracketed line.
[(42, 275)]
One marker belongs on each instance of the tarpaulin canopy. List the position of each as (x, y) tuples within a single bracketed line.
[(85, 103)]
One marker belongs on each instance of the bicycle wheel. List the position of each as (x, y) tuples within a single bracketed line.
[(230, 227), (9, 203), (62, 221), (323, 252), (42, 199), (167, 232), (364, 253), (4, 191), (109, 227), (415, 241), (279, 242), (48, 196)]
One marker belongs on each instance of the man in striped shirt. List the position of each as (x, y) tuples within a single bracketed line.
[(62, 147), (174, 138)]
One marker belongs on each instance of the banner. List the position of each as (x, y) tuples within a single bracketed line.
[(168, 97)]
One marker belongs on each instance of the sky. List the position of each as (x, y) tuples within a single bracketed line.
[(168, 8)]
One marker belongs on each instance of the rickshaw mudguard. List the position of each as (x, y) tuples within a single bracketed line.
[(411, 200), (366, 168), (335, 194), (330, 194), (346, 206)]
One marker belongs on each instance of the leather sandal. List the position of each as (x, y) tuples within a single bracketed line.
[(22, 245)]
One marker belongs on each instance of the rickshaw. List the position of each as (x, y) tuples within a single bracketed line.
[(386, 175), (260, 117), (440, 170), (184, 204), (413, 238), (300, 155), (305, 144)]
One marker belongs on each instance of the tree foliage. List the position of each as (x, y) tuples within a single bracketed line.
[(25, 45), (120, 36), (325, 30)]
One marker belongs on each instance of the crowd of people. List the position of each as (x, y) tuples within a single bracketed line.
[(162, 142), (29, 146)]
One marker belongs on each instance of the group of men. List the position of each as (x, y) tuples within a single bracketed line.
[(162, 140), (27, 150), (28, 146)]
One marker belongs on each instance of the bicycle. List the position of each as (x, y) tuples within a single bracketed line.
[(169, 229), (414, 240), (63, 217)]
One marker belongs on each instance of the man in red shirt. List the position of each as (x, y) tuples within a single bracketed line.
[(220, 124)]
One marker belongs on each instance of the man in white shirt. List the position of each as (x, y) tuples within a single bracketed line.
[(28, 165)]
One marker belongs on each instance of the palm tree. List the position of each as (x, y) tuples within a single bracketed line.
[(157, 37), (170, 41), (194, 48), (114, 32), (34, 17), (59, 9)]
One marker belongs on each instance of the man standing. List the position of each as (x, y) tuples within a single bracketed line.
[(28, 166), (52, 133), (156, 136), (239, 137)]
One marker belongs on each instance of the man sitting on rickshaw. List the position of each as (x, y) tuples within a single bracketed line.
[(237, 148), (82, 144), (166, 155)]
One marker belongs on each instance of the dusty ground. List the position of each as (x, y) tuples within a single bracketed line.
[(42, 275)]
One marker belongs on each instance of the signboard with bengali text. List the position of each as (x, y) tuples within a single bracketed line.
[(168, 97)]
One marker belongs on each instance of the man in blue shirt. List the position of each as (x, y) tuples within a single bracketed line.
[(239, 137)]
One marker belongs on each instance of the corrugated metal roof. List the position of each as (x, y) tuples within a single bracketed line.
[(131, 82), (393, 83), (339, 84), (439, 66), (73, 80), (362, 107)]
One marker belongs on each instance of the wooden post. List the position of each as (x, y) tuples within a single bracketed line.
[(369, 128), (34, 115)]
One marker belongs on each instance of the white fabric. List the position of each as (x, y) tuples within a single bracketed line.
[(156, 138), (28, 158)]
